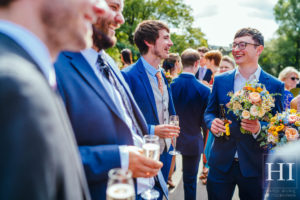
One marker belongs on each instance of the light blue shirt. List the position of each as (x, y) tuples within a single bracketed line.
[(91, 57), (151, 71), (32, 45)]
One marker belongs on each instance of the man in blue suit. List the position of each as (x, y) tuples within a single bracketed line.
[(190, 98), (107, 123), (238, 161), (149, 86)]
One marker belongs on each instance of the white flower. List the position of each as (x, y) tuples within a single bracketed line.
[(261, 112), (245, 114), (254, 110), (236, 105)]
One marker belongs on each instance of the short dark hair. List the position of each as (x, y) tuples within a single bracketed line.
[(203, 49), (214, 55), (169, 63), (148, 30), (254, 33), (189, 57), (4, 3), (127, 56)]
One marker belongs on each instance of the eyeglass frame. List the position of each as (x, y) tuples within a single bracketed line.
[(234, 45)]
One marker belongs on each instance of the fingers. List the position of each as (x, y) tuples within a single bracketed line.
[(250, 125), (142, 166), (217, 126), (166, 131)]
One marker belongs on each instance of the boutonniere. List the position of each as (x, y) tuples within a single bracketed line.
[(169, 77)]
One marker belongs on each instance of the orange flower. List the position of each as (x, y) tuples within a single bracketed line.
[(259, 89)]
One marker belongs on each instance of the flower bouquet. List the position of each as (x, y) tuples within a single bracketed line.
[(252, 102), (168, 77), (283, 127)]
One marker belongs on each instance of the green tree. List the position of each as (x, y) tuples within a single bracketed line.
[(174, 12)]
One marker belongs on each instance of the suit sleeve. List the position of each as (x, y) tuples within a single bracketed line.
[(212, 107), (98, 160)]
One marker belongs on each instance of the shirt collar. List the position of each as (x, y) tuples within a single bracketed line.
[(149, 68), (255, 75), (32, 45), (91, 56)]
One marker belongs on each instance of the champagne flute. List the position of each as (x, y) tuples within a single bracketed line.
[(151, 150), (120, 185), (174, 120)]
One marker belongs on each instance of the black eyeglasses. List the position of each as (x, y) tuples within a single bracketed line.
[(242, 45), (294, 78)]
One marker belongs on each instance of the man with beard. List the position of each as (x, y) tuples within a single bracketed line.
[(107, 123), (149, 86), (39, 159)]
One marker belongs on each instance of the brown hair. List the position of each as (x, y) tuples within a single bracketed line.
[(169, 63), (203, 49), (229, 60), (214, 55), (127, 56), (189, 57), (254, 33), (148, 30), (5, 3)]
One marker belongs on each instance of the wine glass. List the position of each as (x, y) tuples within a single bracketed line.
[(174, 120), (151, 150), (120, 185)]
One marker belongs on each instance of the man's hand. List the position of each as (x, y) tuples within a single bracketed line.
[(217, 126), (142, 166), (250, 125), (166, 131)]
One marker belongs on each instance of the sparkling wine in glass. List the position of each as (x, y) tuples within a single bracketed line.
[(120, 185), (174, 120), (151, 150)]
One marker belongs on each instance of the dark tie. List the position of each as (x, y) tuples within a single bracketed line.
[(107, 72)]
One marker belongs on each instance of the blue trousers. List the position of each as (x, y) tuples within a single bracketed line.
[(220, 185), (190, 165)]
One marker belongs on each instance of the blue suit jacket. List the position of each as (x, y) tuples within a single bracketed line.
[(137, 79), (207, 76), (97, 123), (249, 152), (190, 99)]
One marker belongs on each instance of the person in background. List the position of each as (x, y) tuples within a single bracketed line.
[(290, 77), (227, 64), (126, 57), (212, 60), (190, 99), (203, 74), (172, 67), (39, 157)]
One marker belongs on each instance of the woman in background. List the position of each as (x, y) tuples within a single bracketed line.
[(126, 57), (290, 77)]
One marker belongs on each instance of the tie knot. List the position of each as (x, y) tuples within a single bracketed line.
[(103, 66)]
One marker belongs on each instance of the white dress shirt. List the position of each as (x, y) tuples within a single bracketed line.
[(91, 57), (33, 46)]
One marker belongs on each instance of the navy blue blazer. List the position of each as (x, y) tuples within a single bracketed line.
[(207, 76), (249, 152), (97, 123), (137, 79), (190, 98)]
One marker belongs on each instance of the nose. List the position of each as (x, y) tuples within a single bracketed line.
[(120, 18), (170, 42)]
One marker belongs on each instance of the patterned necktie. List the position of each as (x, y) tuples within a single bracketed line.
[(160, 84), (105, 69)]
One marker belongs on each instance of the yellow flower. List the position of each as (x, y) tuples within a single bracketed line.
[(259, 89), (273, 119), (275, 133), (293, 111), (279, 128)]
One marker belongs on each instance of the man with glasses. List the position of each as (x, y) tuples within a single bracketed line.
[(239, 160)]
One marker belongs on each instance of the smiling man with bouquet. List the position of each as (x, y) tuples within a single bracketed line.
[(239, 160)]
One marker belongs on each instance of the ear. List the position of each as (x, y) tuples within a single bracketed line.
[(260, 49), (147, 43)]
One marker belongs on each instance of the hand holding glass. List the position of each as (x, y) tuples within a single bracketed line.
[(174, 120)]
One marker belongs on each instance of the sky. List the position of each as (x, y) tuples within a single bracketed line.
[(219, 20)]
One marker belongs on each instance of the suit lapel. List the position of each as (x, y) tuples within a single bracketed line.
[(82, 66), (263, 78), (145, 80)]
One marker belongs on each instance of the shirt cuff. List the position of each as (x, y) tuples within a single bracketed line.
[(124, 155), (256, 134), (152, 128)]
